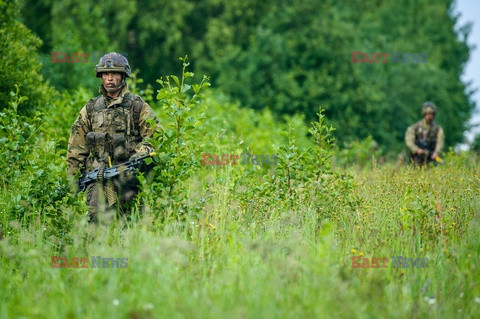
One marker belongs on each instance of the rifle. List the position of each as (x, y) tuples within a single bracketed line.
[(110, 172), (424, 146)]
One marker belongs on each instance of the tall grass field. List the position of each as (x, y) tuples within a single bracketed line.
[(304, 237)]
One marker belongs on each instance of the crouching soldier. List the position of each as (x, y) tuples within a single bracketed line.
[(425, 138)]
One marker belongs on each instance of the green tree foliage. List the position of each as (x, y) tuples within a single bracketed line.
[(90, 28), (294, 64), (18, 62), (33, 171), (177, 142), (288, 56)]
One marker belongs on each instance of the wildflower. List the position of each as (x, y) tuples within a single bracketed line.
[(430, 300), (354, 251), (361, 254), (116, 302)]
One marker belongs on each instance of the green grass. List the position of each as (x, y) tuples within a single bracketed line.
[(268, 262), (238, 241)]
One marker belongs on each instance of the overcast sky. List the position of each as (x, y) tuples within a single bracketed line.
[(470, 12)]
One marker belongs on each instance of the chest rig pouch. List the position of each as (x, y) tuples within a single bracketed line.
[(115, 129), (426, 139), (98, 144)]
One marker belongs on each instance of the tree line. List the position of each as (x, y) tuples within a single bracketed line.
[(288, 56)]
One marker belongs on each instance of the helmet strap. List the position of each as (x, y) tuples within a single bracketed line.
[(115, 88)]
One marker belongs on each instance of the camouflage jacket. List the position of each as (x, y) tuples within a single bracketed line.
[(109, 127), (431, 136)]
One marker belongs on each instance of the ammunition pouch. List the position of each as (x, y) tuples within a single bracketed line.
[(98, 144), (120, 150)]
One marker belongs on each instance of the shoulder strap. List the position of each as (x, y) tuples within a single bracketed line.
[(434, 130), (416, 126), (90, 106), (137, 105), (93, 105)]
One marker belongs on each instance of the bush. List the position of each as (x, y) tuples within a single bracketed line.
[(19, 64), (33, 184)]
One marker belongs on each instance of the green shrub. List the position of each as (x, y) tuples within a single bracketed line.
[(33, 182), (19, 64)]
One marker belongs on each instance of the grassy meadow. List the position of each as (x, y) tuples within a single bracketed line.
[(277, 189), (236, 241), (238, 262)]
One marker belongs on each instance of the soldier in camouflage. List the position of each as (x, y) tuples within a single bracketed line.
[(425, 138), (109, 130)]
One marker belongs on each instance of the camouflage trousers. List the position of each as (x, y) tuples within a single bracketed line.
[(108, 198)]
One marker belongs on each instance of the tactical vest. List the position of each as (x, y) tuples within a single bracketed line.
[(115, 131), (426, 139)]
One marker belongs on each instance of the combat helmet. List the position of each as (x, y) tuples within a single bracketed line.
[(429, 107), (113, 62)]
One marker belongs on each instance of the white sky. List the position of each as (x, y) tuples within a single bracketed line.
[(470, 12)]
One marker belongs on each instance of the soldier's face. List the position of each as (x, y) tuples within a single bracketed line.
[(429, 117), (111, 81)]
